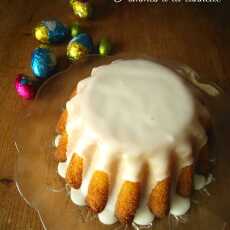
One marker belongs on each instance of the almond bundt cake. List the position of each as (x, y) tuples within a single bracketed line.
[(130, 140)]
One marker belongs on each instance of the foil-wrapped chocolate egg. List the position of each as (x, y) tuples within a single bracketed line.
[(79, 47), (25, 87), (82, 9), (75, 29), (104, 47), (43, 62), (51, 31)]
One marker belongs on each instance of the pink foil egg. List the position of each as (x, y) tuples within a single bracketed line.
[(25, 87)]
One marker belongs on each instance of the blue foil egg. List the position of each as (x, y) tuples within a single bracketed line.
[(51, 31), (43, 62), (79, 47)]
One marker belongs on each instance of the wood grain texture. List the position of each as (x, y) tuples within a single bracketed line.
[(194, 34)]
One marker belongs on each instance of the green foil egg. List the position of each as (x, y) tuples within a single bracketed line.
[(75, 29), (104, 47)]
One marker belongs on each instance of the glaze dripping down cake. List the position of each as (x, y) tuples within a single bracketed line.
[(130, 140)]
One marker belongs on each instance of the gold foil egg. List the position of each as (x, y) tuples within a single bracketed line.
[(79, 47), (82, 9), (50, 31), (41, 33)]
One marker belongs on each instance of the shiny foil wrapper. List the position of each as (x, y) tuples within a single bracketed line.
[(104, 47), (79, 47), (82, 9), (75, 29), (43, 62), (25, 88), (50, 32)]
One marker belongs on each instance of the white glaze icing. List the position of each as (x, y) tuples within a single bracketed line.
[(200, 181), (107, 217), (143, 215), (109, 210), (62, 166), (57, 140), (77, 197), (156, 125), (179, 205), (131, 112)]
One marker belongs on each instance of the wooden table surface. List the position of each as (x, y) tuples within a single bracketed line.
[(194, 34)]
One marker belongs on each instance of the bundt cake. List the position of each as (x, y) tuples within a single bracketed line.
[(130, 140)]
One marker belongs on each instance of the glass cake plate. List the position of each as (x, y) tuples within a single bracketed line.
[(36, 170)]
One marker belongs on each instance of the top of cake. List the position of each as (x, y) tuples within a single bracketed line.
[(132, 106)]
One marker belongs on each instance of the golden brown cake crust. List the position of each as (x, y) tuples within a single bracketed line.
[(74, 171), (60, 128), (60, 153), (127, 201), (159, 199), (74, 93), (98, 191), (184, 183)]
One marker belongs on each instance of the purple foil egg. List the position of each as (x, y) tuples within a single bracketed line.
[(25, 87)]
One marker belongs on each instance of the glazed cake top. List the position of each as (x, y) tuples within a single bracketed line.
[(131, 106), (126, 115)]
